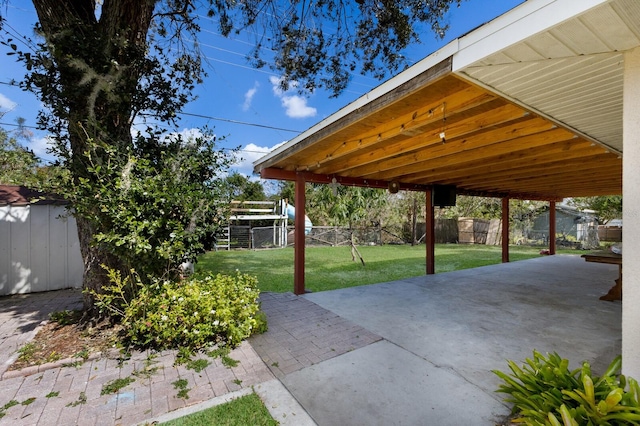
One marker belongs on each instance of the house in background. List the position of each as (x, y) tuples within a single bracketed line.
[(39, 247), (572, 226)]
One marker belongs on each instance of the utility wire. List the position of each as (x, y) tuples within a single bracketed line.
[(18, 37), (208, 117), (18, 125), (244, 123), (226, 149)]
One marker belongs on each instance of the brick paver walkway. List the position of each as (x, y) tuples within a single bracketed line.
[(73, 395), (20, 315), (302, 333)]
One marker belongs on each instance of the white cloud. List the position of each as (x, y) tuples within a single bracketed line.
[(39, 147), (295, 105), (248, 97), (247, 155), (6, 104), (187, 135), (190, 134), (277, 89)]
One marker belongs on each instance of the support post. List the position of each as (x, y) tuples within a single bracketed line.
[(299, 237), (505, 230), (631, 214), (552, 227), (430, 237)]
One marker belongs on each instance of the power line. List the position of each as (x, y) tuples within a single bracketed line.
[(226, 120), (19, 125), (244, 123), (19, 37), (227, 149)]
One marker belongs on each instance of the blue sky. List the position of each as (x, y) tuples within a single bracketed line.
[(247, 107)]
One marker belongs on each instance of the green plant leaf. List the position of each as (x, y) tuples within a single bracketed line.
[(567, 419), (589, 392), (553, 420), (612, 369), (614, 398)]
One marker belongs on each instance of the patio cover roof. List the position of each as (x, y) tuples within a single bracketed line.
[(526, 106)]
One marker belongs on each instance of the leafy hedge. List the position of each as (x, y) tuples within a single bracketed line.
[(545, 392), (195, 313)]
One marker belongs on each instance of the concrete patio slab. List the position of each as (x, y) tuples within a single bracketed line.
[(464, 324), (384, 384)]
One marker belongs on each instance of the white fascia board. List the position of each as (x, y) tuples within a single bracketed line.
[(415, 70), (520, 23)]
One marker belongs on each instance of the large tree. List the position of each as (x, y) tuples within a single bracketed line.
[(607, 207), (101, 65), (241, 188), (338, 205)]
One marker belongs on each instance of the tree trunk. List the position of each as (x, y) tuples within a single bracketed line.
[(95, 260), (98, 64), (414, 222)]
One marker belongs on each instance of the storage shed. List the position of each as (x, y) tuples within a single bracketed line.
[(39, 248), (571, 223)]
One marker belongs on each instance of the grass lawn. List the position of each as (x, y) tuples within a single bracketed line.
[(329, 268), (246, 410)]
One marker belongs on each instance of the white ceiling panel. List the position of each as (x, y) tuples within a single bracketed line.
[(572, 73), (550, 46)]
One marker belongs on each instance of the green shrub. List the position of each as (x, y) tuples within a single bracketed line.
[(193, 314), (545, 392)]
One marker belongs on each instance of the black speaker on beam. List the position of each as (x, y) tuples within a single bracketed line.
[(443, 195)]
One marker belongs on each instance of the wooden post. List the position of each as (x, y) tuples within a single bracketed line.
[(430, 237), (299, 237), (552, 227), (505, 230)]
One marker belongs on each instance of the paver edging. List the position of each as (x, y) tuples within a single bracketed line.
[(66, 362)]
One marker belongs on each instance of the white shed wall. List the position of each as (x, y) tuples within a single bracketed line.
[(39, 249)]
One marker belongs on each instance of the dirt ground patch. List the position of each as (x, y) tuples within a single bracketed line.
[(66, 339)]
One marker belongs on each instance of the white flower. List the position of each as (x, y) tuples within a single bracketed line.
[(181, 299), (164, 318), (216, 323), (213, 311), (196, 331)]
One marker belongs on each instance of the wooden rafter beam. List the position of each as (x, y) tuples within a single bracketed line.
[(558, 167), (415, 131), (515, 159), (390, 144), (492, 143), (280, 174)]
